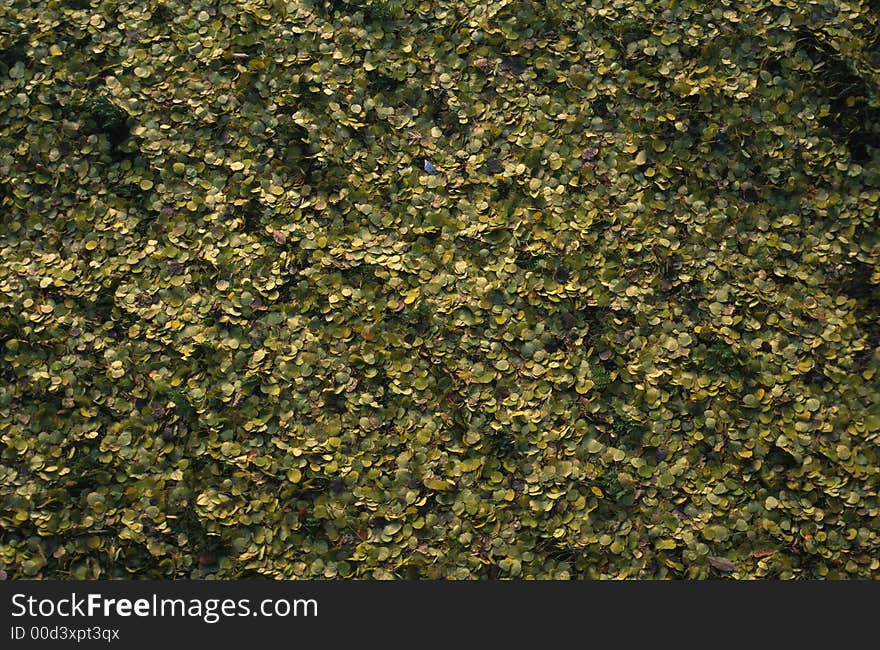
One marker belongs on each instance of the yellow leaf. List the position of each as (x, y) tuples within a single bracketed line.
[(411, 296), (437, 484)]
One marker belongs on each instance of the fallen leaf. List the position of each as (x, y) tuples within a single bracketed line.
[(722, 564)]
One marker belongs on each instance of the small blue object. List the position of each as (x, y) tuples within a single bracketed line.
[(430, 168)]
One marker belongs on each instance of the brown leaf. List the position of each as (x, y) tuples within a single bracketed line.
[(763, 552), (589, 153)]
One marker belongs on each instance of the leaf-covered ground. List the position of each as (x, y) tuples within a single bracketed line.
[(628, 328)]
